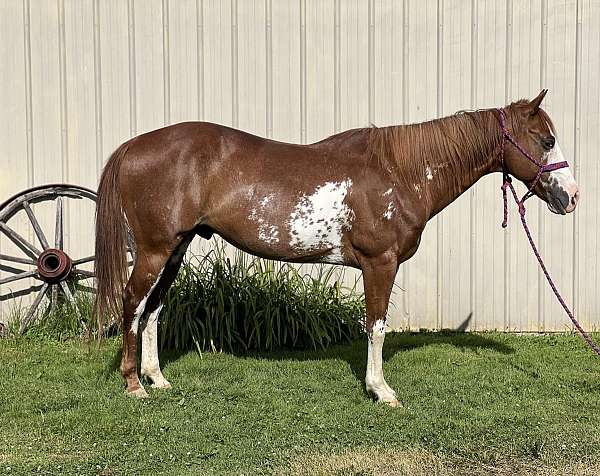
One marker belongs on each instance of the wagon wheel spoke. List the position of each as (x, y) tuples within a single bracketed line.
[(87, 259), (82, 274), (58, 229), (14, 259), (32, 313), (21, 242), (36, 226), (19, 276), (67, 292), (21, 292)]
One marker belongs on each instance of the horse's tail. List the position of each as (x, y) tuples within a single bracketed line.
[(110, 267)]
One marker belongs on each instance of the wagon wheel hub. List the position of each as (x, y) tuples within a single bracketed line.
[(54, 265)]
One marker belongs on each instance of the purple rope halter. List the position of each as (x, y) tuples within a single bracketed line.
[(507, 183)]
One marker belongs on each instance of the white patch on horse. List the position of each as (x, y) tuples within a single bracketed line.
[(319, 220), (428, 173), (564, 177), (142, 305), (374, 380), (417, 189), (150, 365), (391, 208), (387, 192), (266, 232)]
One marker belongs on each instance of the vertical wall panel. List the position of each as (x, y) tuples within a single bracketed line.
[(81, 130), (218, 91), (13, 121), (149, 20), (524, 82), (183, 61), (80, 77), (588, 176), (558, 230), (286, 71), (320, 69), (455, 285), (252, 66), (422, 288), (488, 253)]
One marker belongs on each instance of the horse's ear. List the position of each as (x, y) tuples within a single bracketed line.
[(534, 104)]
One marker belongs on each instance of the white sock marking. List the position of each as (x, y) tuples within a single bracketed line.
[(142, 305)]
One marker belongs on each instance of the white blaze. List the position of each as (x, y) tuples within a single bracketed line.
[(563, 177)]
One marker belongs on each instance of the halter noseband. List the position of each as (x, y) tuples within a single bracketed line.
[(507, 183)]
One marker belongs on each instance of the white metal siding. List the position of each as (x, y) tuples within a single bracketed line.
[(78, 77)]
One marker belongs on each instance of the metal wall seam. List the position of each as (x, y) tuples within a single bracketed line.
[(132, 79), (98, 87), (303, 71), (28, 94), (166, 64), (234, 65), (507, 98), (439, 113), (541, 216), (472, 214), (269, 65), (200, 56), (405, 120), (370, 62), (337, 32), (62, 60), (576, 150)]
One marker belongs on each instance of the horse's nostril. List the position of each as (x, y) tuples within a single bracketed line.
[(575, 198)]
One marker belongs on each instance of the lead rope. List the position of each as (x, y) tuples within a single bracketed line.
[(521, 204)]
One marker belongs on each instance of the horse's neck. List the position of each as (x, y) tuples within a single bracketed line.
[(445, 180)]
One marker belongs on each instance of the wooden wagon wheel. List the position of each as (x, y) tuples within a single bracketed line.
[(57, 275)]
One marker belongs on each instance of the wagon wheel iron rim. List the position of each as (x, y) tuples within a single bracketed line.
[(57, 277)]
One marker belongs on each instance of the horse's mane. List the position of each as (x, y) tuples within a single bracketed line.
[(445, 150)]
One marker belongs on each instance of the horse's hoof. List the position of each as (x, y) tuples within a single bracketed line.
[(393, 403), (162, 384), (137, 393)]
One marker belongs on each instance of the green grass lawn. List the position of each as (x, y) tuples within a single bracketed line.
[(473, 404)]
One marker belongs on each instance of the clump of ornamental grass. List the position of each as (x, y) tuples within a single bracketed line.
[(242, 303)]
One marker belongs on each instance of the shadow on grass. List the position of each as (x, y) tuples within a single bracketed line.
[(355, 352)]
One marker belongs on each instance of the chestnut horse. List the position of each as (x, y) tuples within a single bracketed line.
[(360, 198)]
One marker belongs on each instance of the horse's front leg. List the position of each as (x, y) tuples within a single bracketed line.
[(378, 277)]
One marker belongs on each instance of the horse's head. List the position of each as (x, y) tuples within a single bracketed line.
[(532, 129)]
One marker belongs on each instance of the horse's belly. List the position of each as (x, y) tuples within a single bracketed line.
[(309, 228)]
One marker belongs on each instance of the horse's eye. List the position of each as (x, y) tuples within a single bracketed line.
[(548, 142)]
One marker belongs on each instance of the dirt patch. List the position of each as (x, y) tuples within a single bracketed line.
[(385, 462)]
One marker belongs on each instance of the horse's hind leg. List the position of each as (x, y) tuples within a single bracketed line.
[(150, 367), (137, 301)]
